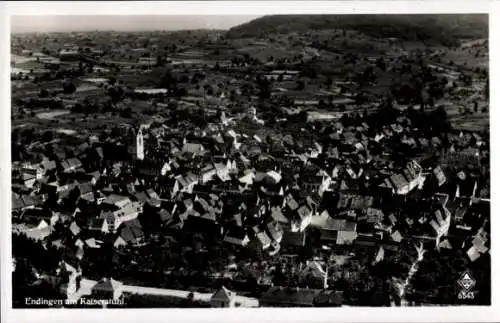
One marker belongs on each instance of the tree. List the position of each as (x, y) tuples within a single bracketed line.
[(160, 61), (381, 63), (69, 88), (43, 93), (47, 136), (328, 81), (126, 113), (300, 85), (264, 87), (180, 92), (303, 116), (168, 81), (487, 87), (437, 277), (476, 106)]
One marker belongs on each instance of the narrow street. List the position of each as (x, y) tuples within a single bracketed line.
[(413, 269), (87, 284)]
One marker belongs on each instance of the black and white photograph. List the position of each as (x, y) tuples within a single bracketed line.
[(250, 161)]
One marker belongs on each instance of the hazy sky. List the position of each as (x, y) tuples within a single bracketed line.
[(64, 23)]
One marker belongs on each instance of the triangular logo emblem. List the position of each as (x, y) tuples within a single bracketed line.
[(466, 281)]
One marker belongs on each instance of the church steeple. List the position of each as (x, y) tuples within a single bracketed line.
[(140, 145)]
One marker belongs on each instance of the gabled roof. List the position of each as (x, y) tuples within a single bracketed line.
[(130, 232), (21, 201), (278, 216), (74, 228), (65, 267), (236, 233), (294, 238), (360, 202), (107, 285), (95, 223), (380, 254), (445, 244), (398, 180), (346, 236), (473, 253), (48, 165), (366, 240), (315, 269), (17, 202), (71, 163), (37, 214), (114, 199), (84, 188), (165, 215), (92, 243), (396, 236), (303, 212), (374, 215), (329, 298), (192, 148), (208, 168), (275, 230), (223, 295), (327, 223), (292, 296), (291, 202), (263, 238), (329, 236), (141, 196)]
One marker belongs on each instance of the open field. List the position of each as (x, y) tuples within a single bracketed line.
[(468, 58), (51, 114), (477, 121)]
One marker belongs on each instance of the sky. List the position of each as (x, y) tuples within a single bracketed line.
[(66, 23)]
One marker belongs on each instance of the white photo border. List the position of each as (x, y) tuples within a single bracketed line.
[(344, 314)]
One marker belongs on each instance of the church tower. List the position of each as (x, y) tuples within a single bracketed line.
[(140, 145)]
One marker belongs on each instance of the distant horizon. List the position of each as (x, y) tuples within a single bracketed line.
[(124, 23)]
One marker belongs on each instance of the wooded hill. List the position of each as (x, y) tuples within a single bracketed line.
[(444, 29)]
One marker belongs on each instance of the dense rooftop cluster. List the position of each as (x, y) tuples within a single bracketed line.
[(282, 185)]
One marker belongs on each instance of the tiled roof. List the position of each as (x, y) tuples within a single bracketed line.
[(275, 230), (192, 148), (263, 238), (374, 215), (396, 236), (71, 163), (114, 198), (303, 211), (223, 294), (236, 233), (74, 228), (346, 237), (278, 216), (107, 285), (290, 296), (294, 238)]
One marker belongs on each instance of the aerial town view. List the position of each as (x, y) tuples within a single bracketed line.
[(285, 161)]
